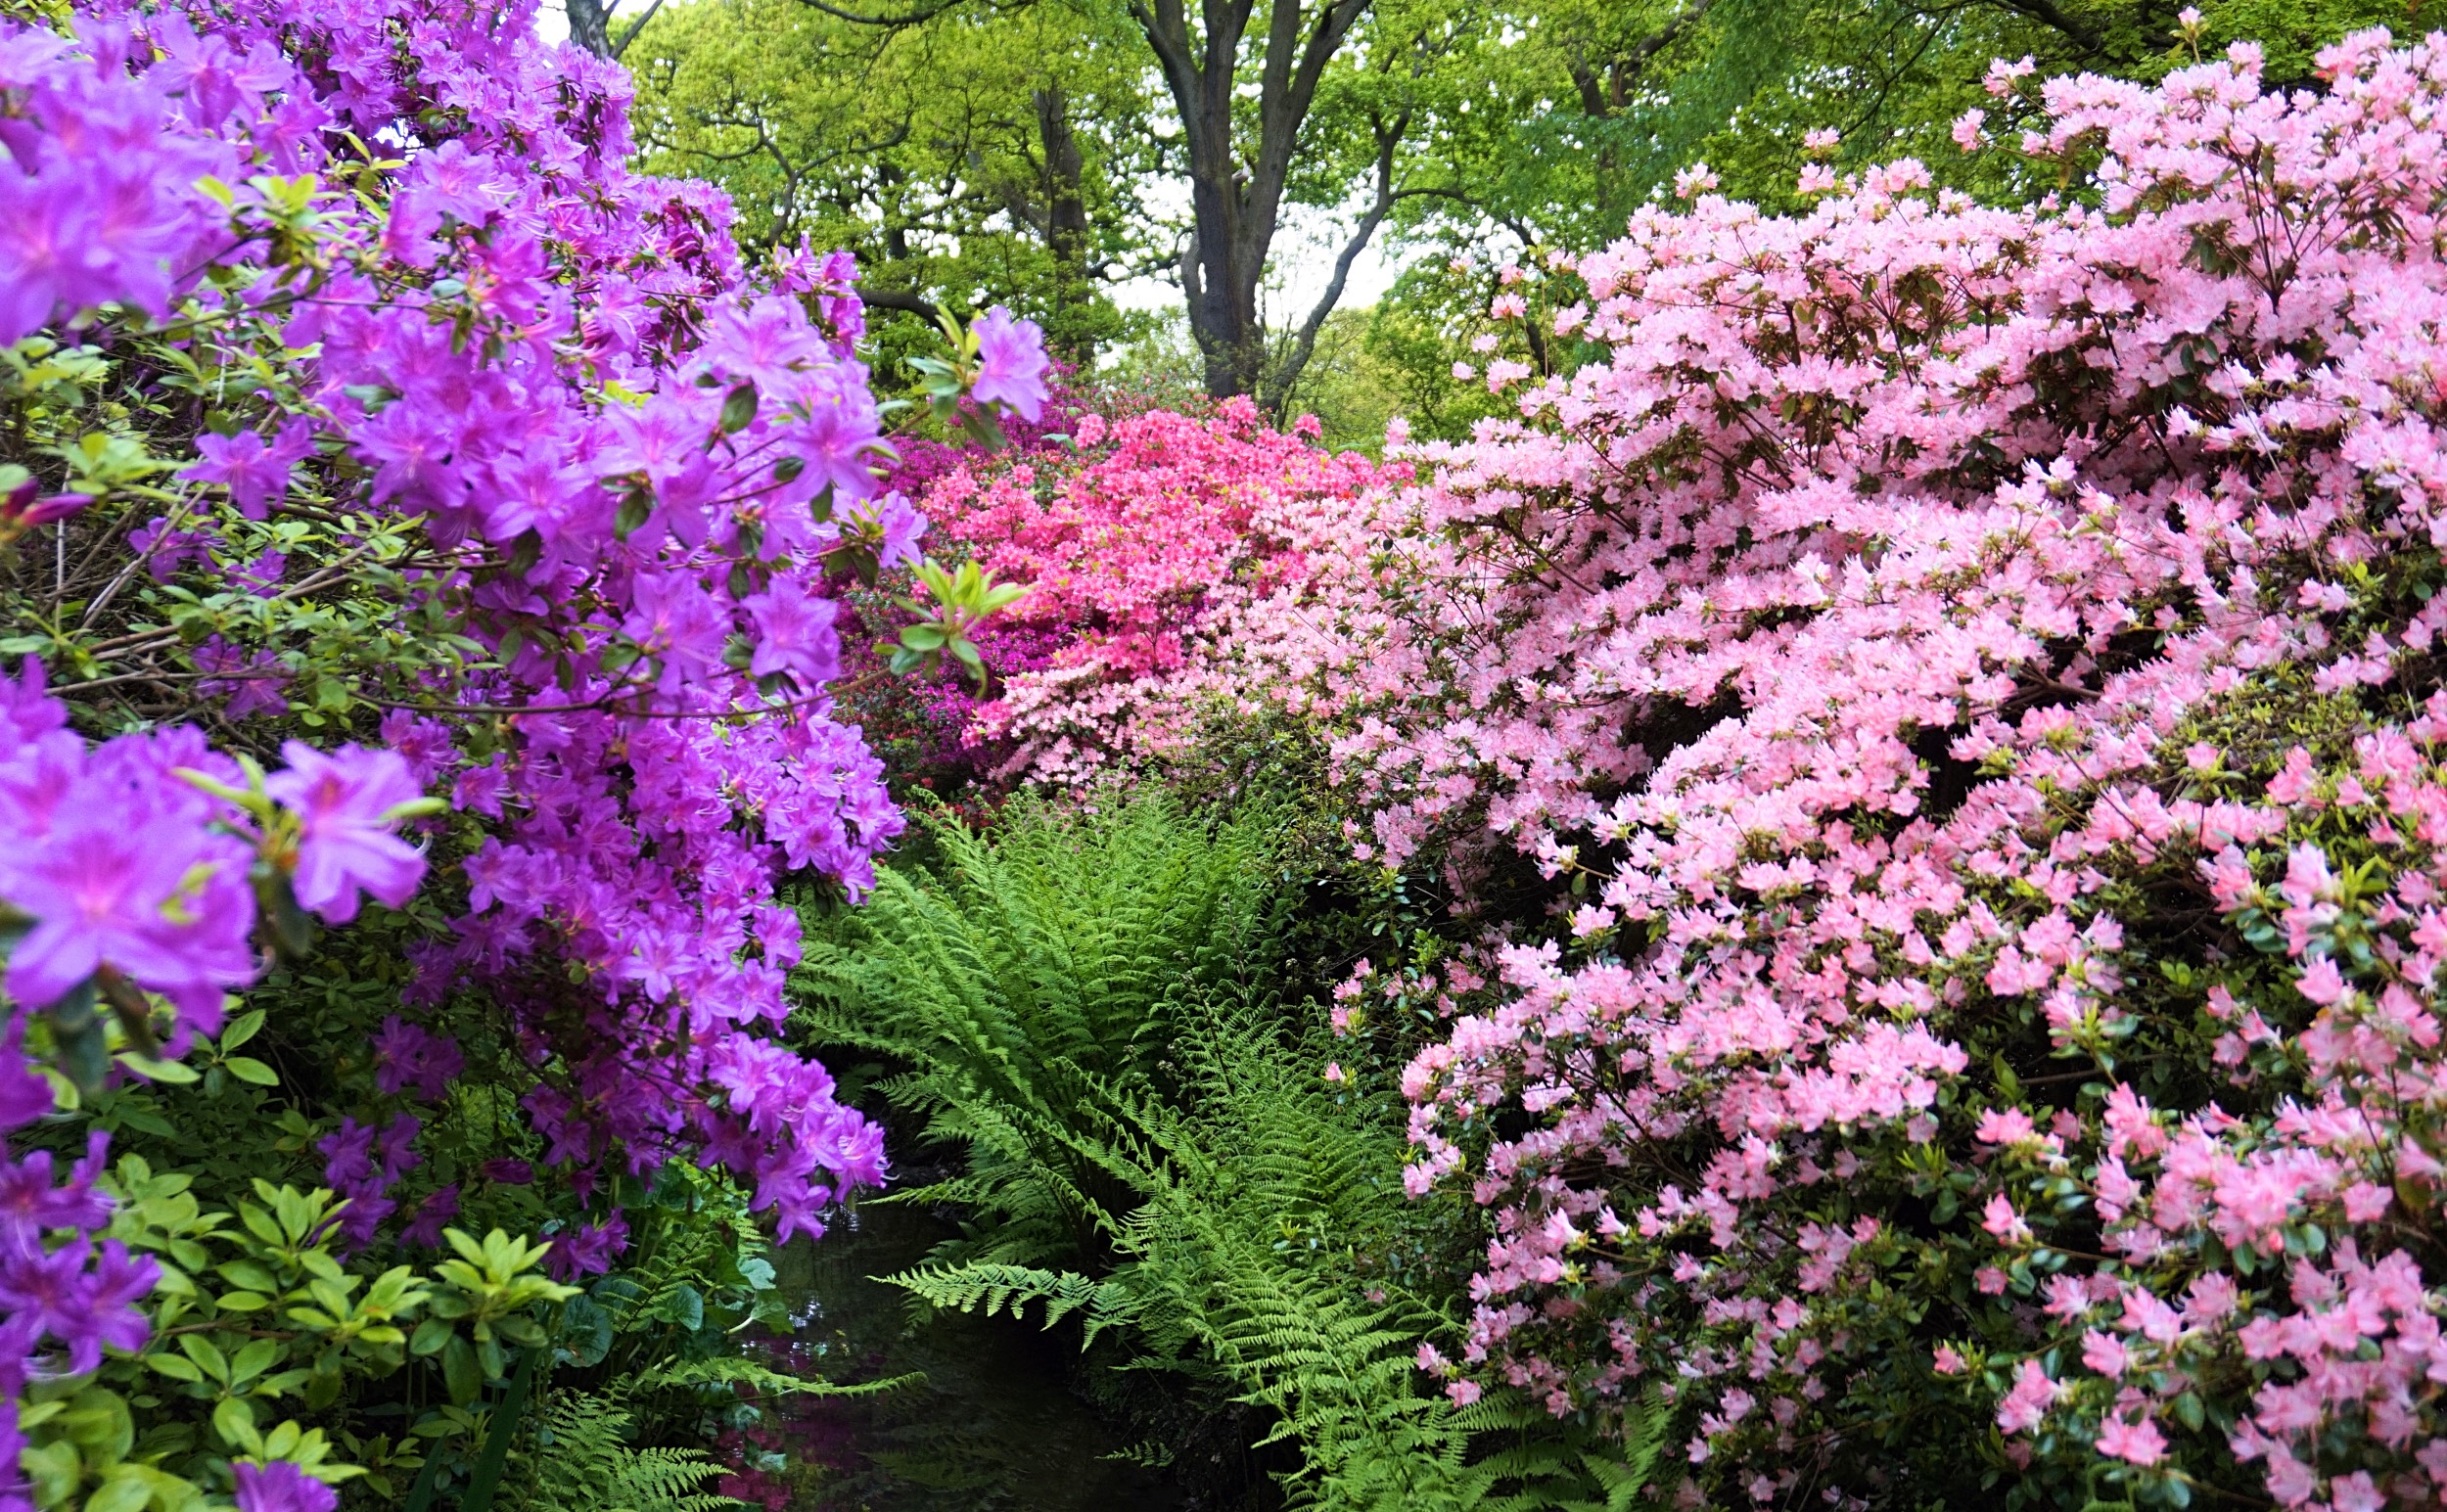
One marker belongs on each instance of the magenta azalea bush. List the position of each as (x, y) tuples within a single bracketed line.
[(1967, 676), (362, 394), (1141, 542)]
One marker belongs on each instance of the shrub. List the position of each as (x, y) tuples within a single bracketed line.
[(356, 391), (1967, 674), (1150, 537)]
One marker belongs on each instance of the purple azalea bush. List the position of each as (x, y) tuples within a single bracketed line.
[(477, 476)]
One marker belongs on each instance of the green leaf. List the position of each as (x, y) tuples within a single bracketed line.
[(172, 1071), (125, 1491), (245, 1068), (240, 1029), (234, 1421), (739, 409), (460, 1371)]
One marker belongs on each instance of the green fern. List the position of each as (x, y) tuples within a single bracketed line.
[(1080, 1002), (730, 1371), (1059, 949), (578, 1458)]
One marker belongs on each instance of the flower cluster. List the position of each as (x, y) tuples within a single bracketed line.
[(1153, 532), (605, 483), (1970, 676)]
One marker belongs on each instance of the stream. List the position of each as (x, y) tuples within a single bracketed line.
[(995, 1425)]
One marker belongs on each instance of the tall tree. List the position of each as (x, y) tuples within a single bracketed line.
[(590, 27), (970, 158), (1248, 82)]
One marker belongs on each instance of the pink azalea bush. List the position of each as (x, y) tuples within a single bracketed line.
[(1969, 677), (1143, 541)]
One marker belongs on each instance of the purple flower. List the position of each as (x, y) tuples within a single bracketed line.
[(27, 712), (508, 1172), (397, 1147), (165, 550), (836, 429), (84, 1309), (424, 744), (405, 1056), (362, 1217), (888, 526), (348, 1156), (1010, 363), (479, 788), (281, 1487), (344, 841), (118, 882), (23, 1096), (672, 619), (250, 680), (794, 635), (31, 1203), (424, 1229), (588, 1249), (256, 473)]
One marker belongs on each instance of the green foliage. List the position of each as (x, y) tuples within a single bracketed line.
[(578, 1458), (1036, 964), (1088, 1002), (257, 1313), (971, 160)]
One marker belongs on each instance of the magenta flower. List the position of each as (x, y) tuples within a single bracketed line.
[(1010, 363), (344, 840), (281, 1487)]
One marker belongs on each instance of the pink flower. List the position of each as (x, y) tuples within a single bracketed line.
[(2028, 1400), (2137, 1442), (2001, 1220)]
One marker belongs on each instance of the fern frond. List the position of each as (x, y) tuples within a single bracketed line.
[(576, 1459), (1012, 1288), (736, 1370)]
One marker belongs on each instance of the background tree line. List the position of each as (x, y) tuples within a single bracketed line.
[(1054, 151)]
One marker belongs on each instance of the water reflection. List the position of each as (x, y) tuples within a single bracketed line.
[(995, 1426)]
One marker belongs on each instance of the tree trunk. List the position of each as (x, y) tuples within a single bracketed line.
[(590, 26), (1235, 200), (1065, 212)]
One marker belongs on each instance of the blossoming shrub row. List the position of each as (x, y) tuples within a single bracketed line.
[(1970, 676), (1144, 538), (357, 393)]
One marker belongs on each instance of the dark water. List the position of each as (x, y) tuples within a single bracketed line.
[(994, 1426)]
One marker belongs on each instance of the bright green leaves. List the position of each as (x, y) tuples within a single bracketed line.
[(493, 1288), (261, 1309), (947, 383), (958, 601)]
